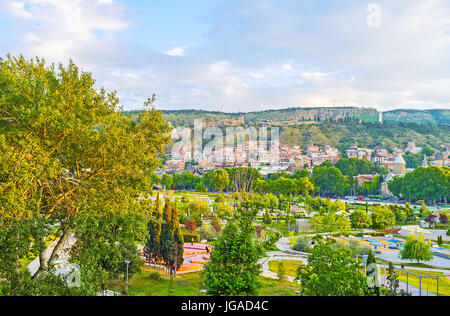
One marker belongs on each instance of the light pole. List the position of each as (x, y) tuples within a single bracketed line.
[(127, 262), (365, 263)]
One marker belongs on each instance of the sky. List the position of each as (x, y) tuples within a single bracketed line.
[(244, 55)]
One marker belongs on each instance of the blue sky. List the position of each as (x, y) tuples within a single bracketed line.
[(245, 55)]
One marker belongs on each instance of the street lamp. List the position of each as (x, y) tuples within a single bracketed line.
[(365, 262), (127, 262)]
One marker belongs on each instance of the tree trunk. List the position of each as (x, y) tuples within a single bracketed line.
[(44, 262)]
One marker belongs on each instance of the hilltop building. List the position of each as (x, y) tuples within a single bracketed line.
[(412, 148), (399, 166), (399, 170)]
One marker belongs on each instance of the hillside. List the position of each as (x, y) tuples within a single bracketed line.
[(388, 135), (340, 127), (291, 116), (417, 116)]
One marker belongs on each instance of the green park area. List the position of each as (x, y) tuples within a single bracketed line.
[(189, 284), (290, 267), (428, 283), (82, 193)]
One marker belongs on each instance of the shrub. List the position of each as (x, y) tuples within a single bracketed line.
[(190, 225), (281, 272), (207, 232), (188, 237), (272, 238), (217, 227), (155, 275), (303, 244)]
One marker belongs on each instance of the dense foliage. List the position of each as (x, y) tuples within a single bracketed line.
[(429, 184), (234, 269), (72, 167)]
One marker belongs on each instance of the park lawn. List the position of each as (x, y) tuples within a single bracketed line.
[(282, 227), (189, 284), (290, 266), (272, 287), (428, 284), (412, 264), (142, 285)]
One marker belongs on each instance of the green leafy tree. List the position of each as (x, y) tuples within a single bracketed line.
[(430, 184), (224, 211), (393, 284), (171, 240), (416, 248), (360, 219), (152, 250), (332, 271), (303, 244), (234, 269), (382, 217), (198, 208), (267, 218), (167, 181), (281, 272), (428, 151), (200, 187), (70, 157), (329, 181), (220, 179)]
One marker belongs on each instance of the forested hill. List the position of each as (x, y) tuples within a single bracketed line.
[(417, 116), (390, 134), (296, 115)]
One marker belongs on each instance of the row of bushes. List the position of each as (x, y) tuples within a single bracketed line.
[(191, 237)]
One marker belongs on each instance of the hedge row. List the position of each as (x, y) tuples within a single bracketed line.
[(188, 237)]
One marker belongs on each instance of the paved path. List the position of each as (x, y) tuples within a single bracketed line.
[(278, 255), (287, 253)]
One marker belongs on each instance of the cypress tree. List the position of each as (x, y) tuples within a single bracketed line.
[(165, 242), (177, 243), (152, 250)]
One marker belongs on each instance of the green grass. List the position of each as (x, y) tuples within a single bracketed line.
[(282, 227), (289, 266), (271, 287), (189, 284), (412, 264), (428, 284)]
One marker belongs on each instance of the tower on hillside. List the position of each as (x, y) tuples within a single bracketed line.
[(380, 117), (399, 165)]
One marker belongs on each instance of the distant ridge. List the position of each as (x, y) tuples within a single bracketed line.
[(369, 115)]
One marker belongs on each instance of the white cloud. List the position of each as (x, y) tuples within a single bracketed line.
[(318, 77), (61, 29), (219, 68), (177, 51), (256, 53), (287, 67), (18, 9)]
